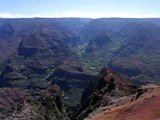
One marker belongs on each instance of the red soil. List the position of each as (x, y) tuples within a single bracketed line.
[(9, 97), (144, 108)]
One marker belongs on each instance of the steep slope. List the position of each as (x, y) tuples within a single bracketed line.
[(113, 97), (9, 99), (8, 41), (43, 53), (146, 106), (139, 56), (130, 48), (24, 105), (122, 44), (12, 31), (43, 59), (109, 86)]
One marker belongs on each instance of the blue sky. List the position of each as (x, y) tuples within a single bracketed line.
[(80, 8)]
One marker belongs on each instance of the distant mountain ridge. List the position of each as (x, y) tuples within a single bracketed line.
[(131, 47), (127, 45)]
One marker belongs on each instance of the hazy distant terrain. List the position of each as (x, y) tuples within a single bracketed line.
[(129, 46)]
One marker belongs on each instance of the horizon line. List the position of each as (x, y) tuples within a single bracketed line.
[(80, 17)]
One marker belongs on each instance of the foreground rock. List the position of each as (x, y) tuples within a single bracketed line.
[(114, 97), (144, 107), (47, 105), (109, 87)]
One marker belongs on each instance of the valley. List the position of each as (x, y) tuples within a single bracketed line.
[(79, 68)]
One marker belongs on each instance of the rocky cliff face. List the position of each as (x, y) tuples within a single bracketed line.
[(142, 105), (111, 97), (46, 105), (114, 97), (108, 87)]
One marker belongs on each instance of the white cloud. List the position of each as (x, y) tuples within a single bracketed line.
[(103, 15), (10, 15), (78, 14)]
